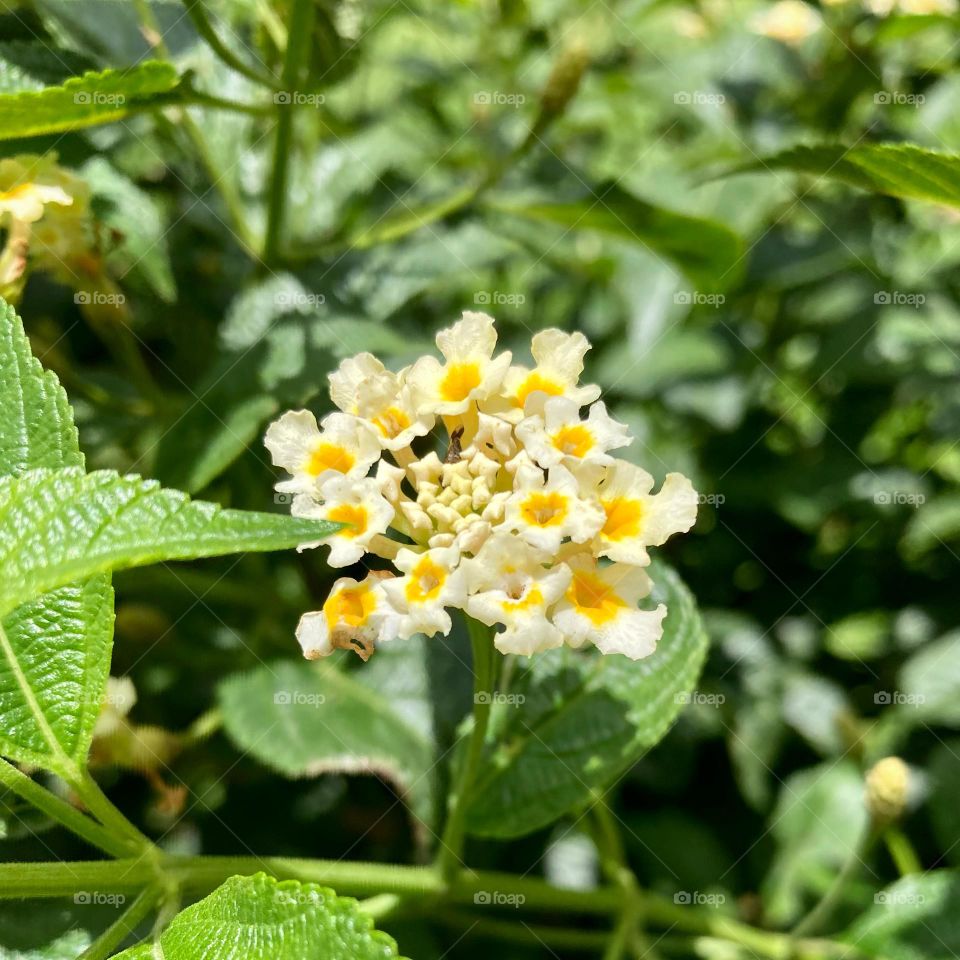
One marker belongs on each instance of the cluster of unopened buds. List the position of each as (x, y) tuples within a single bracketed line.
[(523, 519)]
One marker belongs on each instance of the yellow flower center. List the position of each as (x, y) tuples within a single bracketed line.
[(534, 382), (426, 580), (459, 380), (544, 509), (594, 599), (575, 441), (526, 600), (14, 193), (624, 518), (349, 607), (392, 422), (353, 514), (330, 456)]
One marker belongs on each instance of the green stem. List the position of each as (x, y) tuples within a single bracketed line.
[(823, 909), (218, 181), (294, 60), (518, 931), (118, 931), (64, 813), (205, 28), (451, 844), (357, 878), (381, 906), (617, 941), (902, 852), (100, 805), (613, 859)]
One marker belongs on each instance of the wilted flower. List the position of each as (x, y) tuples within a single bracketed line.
[(527, 522), (44, 210)]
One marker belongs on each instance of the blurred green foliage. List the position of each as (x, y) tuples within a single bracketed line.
[(785, 332)]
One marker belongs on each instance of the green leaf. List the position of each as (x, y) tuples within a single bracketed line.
[(278, 343), (944, 790), (257, 918), (708, 252), (929, 681), (57, 650), (917, 918), (57, 526), (36, 425), (85, 101), (132, 216), (896, 169), (305, 719), (585, 719), (817, 823)]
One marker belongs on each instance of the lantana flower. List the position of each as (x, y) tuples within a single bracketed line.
[(343, 445), (470, 373), (522, 517)]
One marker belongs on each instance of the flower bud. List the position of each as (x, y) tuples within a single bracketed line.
[(564, 79), (887, 789)]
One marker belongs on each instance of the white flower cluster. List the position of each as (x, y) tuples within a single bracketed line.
[(525, 519)]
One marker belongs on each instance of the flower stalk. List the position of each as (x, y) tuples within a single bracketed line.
[(484, 678)]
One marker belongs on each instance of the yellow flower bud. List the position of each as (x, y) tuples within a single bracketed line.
[(888, 787)]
